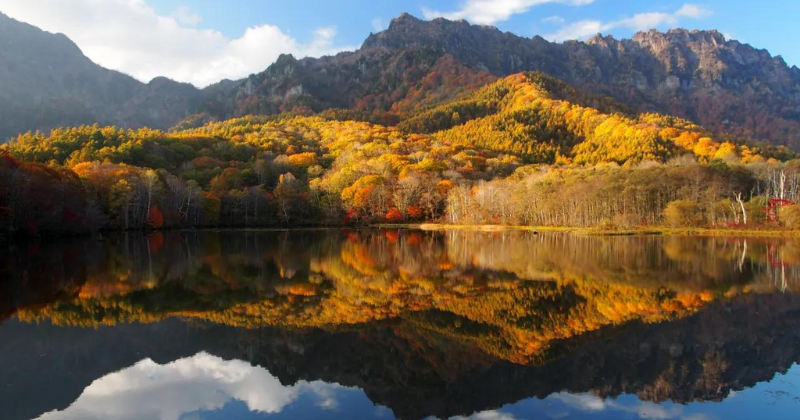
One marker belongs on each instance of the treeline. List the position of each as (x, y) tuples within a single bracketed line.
[(42, 199), (686, 194), (533, 159), (243, 172)]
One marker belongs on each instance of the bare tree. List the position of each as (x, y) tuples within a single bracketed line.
[(738, 197)]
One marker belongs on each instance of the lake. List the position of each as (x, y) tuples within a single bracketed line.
[(359, 324)]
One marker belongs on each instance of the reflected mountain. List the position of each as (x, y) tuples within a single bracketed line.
[(427, 324)]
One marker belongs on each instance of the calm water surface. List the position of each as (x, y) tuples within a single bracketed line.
[(384, 324)]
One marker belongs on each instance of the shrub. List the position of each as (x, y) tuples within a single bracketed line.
[(394, 216), (790, 216), (683, 213)]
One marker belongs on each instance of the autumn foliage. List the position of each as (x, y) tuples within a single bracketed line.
[(155, 220), (393, 216), (511, 295), (494, 155)]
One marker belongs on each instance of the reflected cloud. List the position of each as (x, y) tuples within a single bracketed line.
[(698, 416), (199, 383), (644, 410), (487, 415), (582, 402)]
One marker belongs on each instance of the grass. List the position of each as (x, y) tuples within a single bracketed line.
[(650, 230), (483, 228)]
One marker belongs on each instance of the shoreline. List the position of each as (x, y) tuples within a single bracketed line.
[(442, 227), (591, 231)]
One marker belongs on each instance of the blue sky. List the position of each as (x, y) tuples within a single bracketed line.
[(768, 24), (768, 21), (202, 41)]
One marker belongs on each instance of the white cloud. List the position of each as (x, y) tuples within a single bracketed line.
[(693, 11), (578, 30), (488, 12), (638, 22), (325, 34), (378, 25), (199, 383), (185, 16), (553, 19), (129, 36)]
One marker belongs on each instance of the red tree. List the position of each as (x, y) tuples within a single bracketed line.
[(414, 212), (156, 219), (393, 216)]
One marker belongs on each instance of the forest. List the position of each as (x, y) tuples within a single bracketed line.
[(512, 295), (525, 150)]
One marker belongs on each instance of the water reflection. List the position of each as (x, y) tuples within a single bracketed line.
[(426, 324), (195, 384)]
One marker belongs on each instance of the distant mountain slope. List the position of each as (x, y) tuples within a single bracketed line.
[(367, 79), (46, 82), (523, 118), (542, 119), (729, 87), (732, 89)]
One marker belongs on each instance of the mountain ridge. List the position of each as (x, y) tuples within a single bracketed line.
[(46, 82), (731, 88)]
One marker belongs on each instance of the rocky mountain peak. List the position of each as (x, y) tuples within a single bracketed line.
[(285, 60), (602, 41), (727, 86), (403, 19), (717, 56), (407, 31), (695, 38)]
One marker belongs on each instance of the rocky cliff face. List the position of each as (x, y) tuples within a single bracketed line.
[(729, 87), (46, 82)]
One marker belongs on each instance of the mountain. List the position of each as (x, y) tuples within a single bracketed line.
[(729, 87), (298, 170), (47, 82), (732, 89)]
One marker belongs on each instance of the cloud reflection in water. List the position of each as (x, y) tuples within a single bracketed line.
[(199, 383)]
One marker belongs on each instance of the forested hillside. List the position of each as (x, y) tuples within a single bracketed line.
[(525, 150), (731, 88), (542, 120), (735, 91)]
